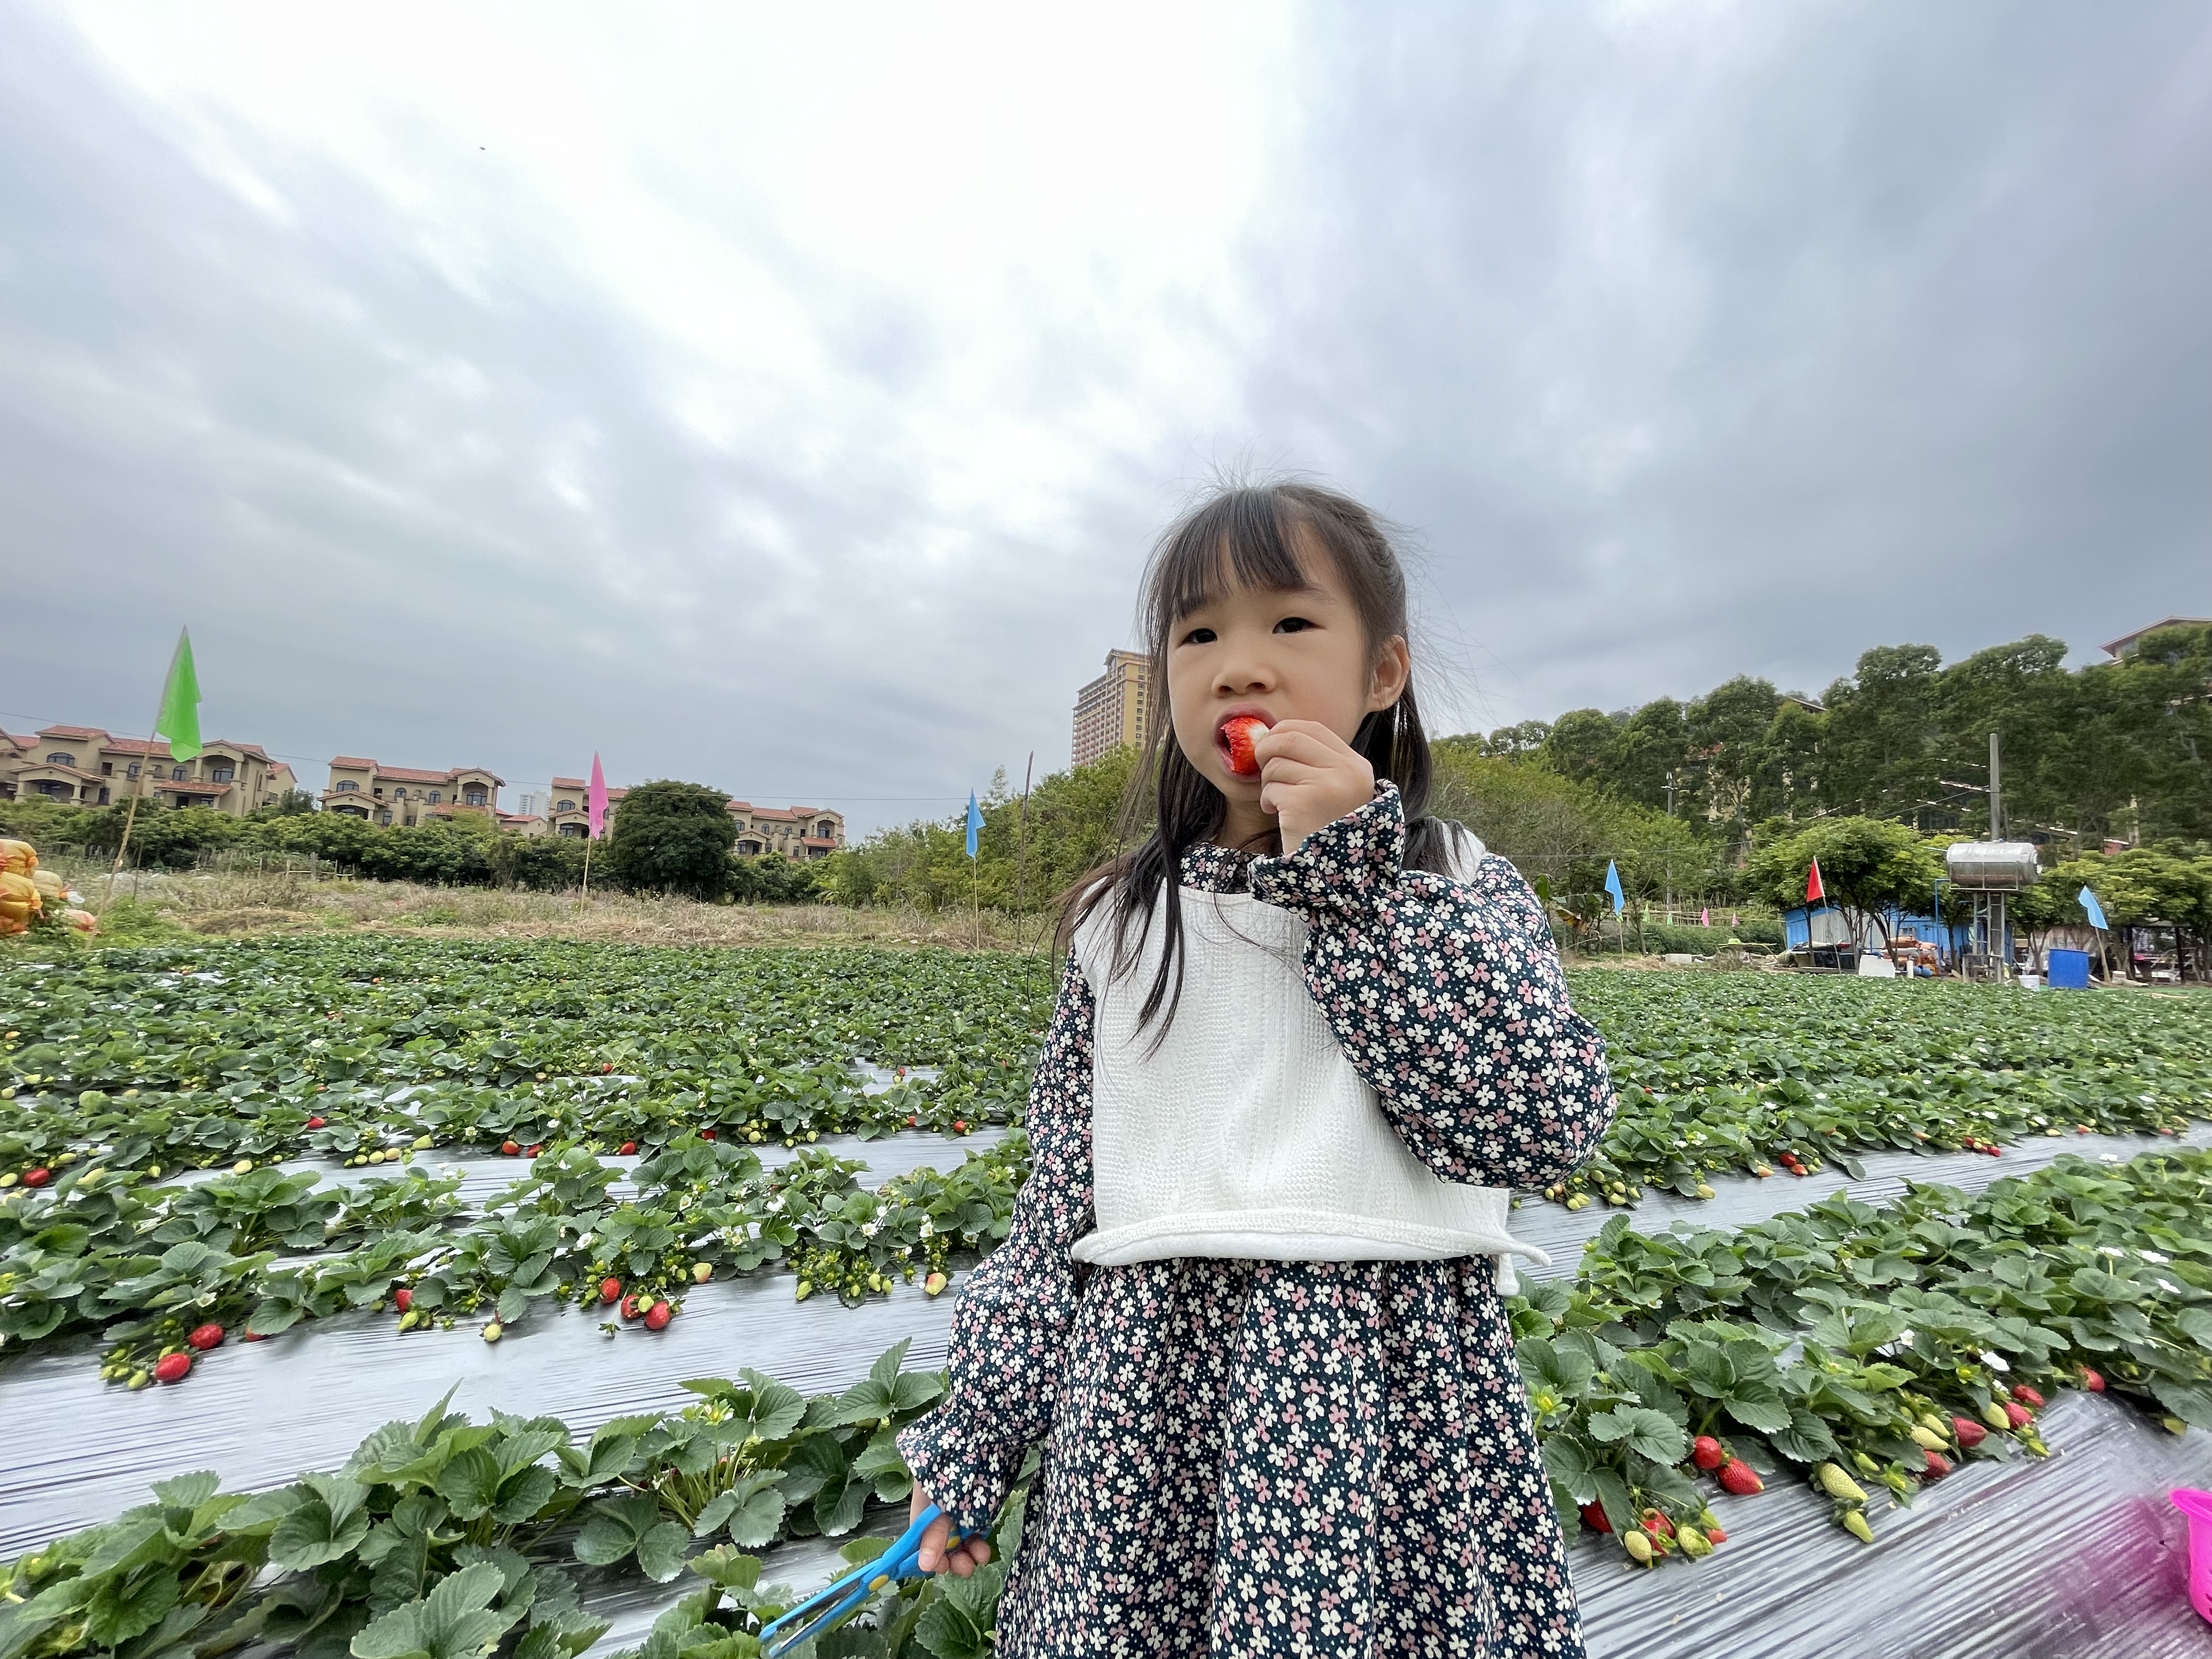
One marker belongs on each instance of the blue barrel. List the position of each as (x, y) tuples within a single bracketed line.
[(2068, 971)]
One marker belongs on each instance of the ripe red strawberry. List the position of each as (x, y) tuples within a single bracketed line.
[(531, 1151), (627, 1148), (1656, 1521), (1739, 1478), (1237, 736), (403, 1298), (37, 1177), (1938, 1466), (1705, 1452), (314, 1123), (2092, 1381), (657, 1319), (611, 1290), (706, 1134), (511, 1148), (251, 1336), (1593, 1517), (629, 1307), (909, 1124), (172, 1367), (2019, 1416), (606, 1065), (1970, 1434), (2027, 1396), (1715, 1535), (206, 1336), (959, 1126)]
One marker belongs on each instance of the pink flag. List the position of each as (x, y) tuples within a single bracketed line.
[(597, 800), (1705, 917)]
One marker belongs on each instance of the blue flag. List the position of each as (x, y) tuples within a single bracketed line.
[(1613, 886), (2089, 903), (975, 822)]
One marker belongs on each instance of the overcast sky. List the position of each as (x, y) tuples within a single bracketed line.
[(784, 397)]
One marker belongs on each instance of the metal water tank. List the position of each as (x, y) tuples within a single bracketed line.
[(1992, 866)]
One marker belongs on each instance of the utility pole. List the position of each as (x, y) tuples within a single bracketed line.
[(1022, 847), (1997, 784), (1670, 851)]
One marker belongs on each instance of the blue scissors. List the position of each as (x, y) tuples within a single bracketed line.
[(826, 1607)]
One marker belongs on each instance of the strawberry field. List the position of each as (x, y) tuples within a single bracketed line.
[(292, 1141)]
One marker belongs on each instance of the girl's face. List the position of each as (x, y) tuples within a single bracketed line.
[(1297, 653)]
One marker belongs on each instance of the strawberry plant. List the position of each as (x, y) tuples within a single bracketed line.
[(1867, 1348), (450, 1538)]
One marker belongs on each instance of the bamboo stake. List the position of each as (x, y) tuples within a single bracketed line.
[(131, 815)]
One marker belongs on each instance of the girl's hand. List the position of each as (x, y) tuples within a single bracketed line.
[(961, 1560), (1308, 777)]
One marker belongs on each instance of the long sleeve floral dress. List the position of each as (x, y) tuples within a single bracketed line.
[(1290, 1457)]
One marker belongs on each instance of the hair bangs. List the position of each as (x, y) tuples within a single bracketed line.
[(1240, 539)]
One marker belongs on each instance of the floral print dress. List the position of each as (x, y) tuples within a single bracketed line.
[(1290, 1457)]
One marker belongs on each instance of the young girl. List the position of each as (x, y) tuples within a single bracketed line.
[(1307, 1038)]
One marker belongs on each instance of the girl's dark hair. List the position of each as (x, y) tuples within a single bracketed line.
[(1245, 536)]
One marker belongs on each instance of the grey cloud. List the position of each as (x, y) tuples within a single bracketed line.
[(1688, 346)]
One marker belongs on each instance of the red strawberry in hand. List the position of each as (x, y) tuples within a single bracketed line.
[(1739, 1478), (1237, 736), (1705, 1452)]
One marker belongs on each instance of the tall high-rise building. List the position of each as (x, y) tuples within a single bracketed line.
[(1114, 708)]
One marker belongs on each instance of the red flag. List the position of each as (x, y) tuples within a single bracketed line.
[(596, 802), (1813, 890)]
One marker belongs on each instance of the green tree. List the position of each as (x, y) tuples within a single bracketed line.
[(673, 838), (772, 879), (1725, 731), (1867, 864), (1880, 737), (1584, 746)]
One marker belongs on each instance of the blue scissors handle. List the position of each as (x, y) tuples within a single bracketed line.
[(847, 1595)]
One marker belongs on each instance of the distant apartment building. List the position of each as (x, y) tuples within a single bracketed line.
[(85, 766), (568, 808), (2125, 644), (798, 832), (1113, 710), (369, 790)]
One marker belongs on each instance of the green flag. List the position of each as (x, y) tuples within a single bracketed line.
[(180, 702)]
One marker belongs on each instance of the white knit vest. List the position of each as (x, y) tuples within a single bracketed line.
[(1249, 1133)]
